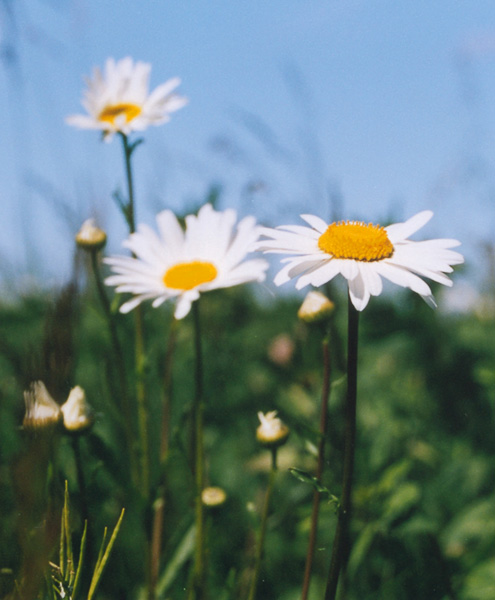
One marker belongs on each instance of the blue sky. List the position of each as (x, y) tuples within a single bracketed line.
[(386, 107)]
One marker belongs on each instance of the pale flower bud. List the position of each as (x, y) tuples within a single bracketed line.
[(77, 412), (41, 409), (213, 496), (315, 308), (281, 350), (91, 237), (272, 432)]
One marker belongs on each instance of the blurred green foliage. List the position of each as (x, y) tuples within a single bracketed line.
[(424, 521)]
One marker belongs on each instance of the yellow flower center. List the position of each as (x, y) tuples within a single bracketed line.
[(188, 275), (357, 241), (110, 113)]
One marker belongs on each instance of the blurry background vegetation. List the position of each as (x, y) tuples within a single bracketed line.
[(424, 525), (424, 519)]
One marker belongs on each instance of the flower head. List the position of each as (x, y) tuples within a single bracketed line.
[(119, 100), (77, 413), (363, 254), (91, 237), (213, 496), (315, 308), (41, 409), (178, 264), (271, 432)]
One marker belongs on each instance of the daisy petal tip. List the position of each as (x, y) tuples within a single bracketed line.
[(430, 300)]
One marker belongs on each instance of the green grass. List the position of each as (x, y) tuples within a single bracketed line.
[(423, 523)]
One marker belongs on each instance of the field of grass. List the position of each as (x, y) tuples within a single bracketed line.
[(423, 523)]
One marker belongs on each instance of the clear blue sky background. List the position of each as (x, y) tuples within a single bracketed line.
[(381, 107)]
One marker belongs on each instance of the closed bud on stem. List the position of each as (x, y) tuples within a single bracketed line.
[(315, 308), (78, 415), (272, 432), (213, 496), (42, 412), (91, 237)]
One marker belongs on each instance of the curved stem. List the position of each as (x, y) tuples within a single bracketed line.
[(341, 543), (319, 468), (130, 209), (264, 521)]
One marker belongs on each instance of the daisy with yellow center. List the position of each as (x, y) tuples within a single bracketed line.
[(363, 254), (119, 100), (180, 265)]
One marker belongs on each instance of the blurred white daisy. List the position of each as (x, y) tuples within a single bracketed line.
[(363, 254), (178, 264), (119, 100)]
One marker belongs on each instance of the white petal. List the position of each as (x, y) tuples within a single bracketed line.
[(348, 268), (319, 224), (184, 303), (130, 304), (403, 277), (170, 230), (371, 278), (401, 231), (359, 292), (321, 274)]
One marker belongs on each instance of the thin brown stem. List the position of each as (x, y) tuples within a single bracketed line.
[(341, 543), (325, 393), (159, 506), (264, 521)]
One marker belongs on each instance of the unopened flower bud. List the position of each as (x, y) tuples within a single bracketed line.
[(77, 412), (41, 409), (281, 350), (271, 432), (315, 308), (213, 497), (91, 237)]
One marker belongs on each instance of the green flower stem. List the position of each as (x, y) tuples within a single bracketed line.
[(159, 505), (341, 543), (130, 209), (198, 589), (319, 468), (142, 404), (120, 363), (264, 521)]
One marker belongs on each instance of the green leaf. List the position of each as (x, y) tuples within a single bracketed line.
[(183, 552), (480, 583), (104, 556), (402, 500), (77, 577), (315, 483)]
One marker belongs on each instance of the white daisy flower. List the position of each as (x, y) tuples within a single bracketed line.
[(363, 254), (119, 100), (178, 264)]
